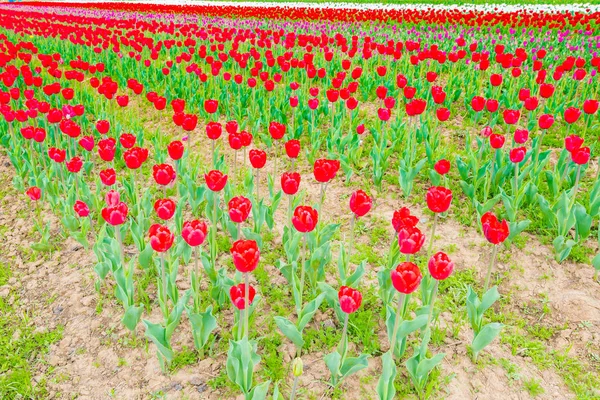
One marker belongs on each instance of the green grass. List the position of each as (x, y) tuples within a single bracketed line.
[(20, 349)]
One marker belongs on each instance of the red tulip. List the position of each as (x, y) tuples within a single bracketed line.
[(115, 214), (581, 156), (239, 209), (165, 208), (290, 182), (194, 232), (112, 198), (521, 136), (402, 218), (231, 127), (517, 154), (189, 122), (175, 150), (443, 114), (210, 106), (163, 174), (81, 209), (572, 114), (497, 141), (350, 299), (108, 177), (531, 103), (325, 170), (135, 157), (292, 148), (494, 230), (215, 180), (496, 79), (258, 158), (511, 117), (107, 149), (546, 90), (245, 255), (384, 114), (127, 140), (545, 121), (406, 277), (34, 193), (442, 167), (477, 103), (360, 203), (439, 199), (410, 239), (161, 238), (277, 130), (590, 106), (57, 155), (87, 142), (123, 100), (305, 219), (440, 266), (103, 127), (214, 130), (238, 295), (74, 165), (573, 142)]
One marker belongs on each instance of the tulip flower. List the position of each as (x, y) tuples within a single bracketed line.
[(194, 232), (238, 295), (245, 258), (495, 232), (161, 238), (108, 177), (239, 210), (410, 239), (165, 208), (34, 193), (402, 218), (324, 171), (175, 150), (305, 219)]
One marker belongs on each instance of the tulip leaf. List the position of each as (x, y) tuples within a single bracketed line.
[(596, 262), (132, 317), (203, 323), (562, 247), (485, 336), (156, 333), (583, 222), (385, 386), (488, 299), (309, 311), (290, 331), (241, 360), (259, 392)]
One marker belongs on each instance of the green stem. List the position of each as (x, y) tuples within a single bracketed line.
[(490, 268), (341, 346), (575, 187), (246, 303), (397, 322), (433, 296), (351, 244), (164, 285), (120, 240), (290, 206), (432, 238), (302, 272)]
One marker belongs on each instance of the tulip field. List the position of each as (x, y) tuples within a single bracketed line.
[(214, 201)]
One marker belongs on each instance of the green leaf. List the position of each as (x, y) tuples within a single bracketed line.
[(290, 331), (132, 317), (203, 324), (596, 262), (333, 360), (488, 299), (485, 336), (309, 311), (156, 333), (426, 365), (562, 247), (241, 360), (259, 392), (352, 365), (385, 385)]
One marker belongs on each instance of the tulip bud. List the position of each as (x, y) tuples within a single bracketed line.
[(298, 366)]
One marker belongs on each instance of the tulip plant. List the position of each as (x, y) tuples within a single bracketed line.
[(167, 149)]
